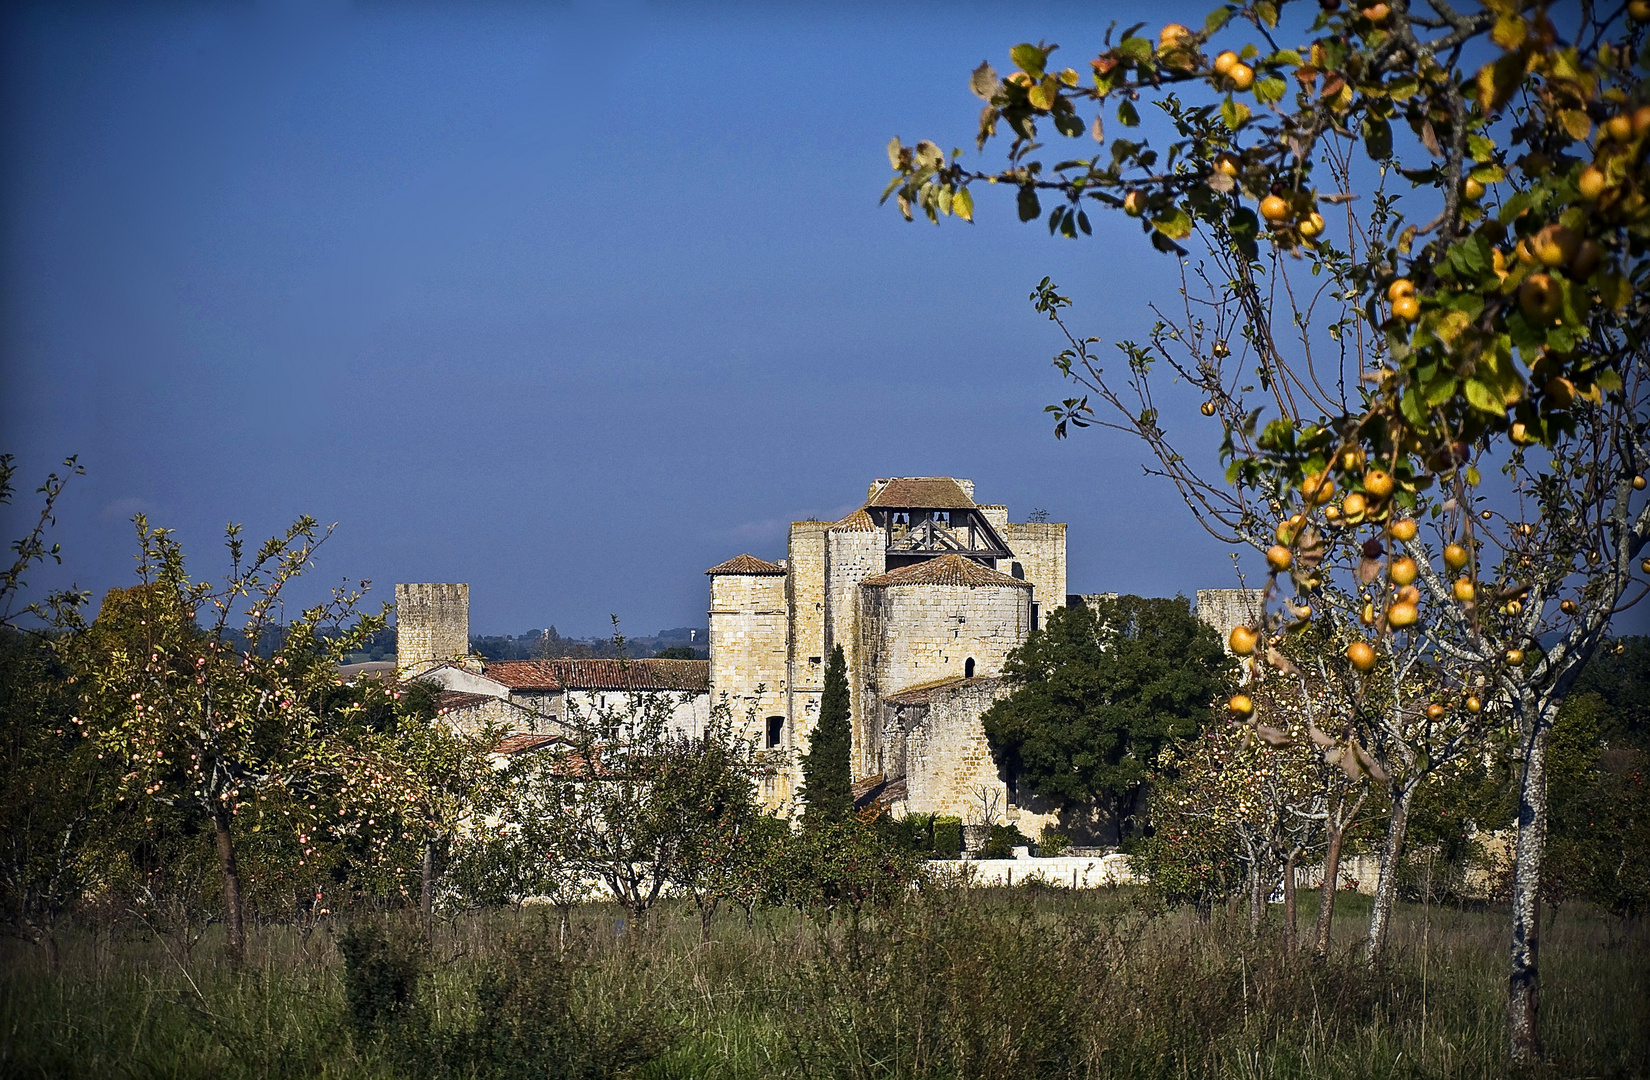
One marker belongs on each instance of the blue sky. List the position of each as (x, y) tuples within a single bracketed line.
[(566, 302)]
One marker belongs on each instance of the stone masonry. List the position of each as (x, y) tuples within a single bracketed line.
[(432, 626), (921, 584)]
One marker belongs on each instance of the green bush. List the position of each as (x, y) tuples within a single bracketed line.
[(1002, 842), (1052, 844), (947, 837), (380, 978)]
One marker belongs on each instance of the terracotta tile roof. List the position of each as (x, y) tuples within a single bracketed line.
[(950, 569), (858, 521), (919, 695), (692, 676), (521, 742), (879, 791), (536, 675), (601, 674), (747, 564), (923, 493)]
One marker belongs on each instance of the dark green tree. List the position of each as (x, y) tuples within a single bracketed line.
[(1099, 692), (827, 784)]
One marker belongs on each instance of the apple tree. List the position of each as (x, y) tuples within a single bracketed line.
[(196, 717), (1415, 310)]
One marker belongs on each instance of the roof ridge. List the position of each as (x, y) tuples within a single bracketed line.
[(858, 521), (747, 564), (948, 569)]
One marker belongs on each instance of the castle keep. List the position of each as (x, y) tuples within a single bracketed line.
[(926, 591)]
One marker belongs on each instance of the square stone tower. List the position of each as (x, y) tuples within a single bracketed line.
[(432, 626)]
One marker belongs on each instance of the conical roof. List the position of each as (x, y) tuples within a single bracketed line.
[(748, 564), (947, 570)]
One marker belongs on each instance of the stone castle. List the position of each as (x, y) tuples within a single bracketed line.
[(925, 590)]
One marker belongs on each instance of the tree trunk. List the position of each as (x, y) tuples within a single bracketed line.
[(1523, 990), (1289, 901), (1257, 896), (1386, 888), (426, 892), (1326, 891), (231, 885), (707, 912)]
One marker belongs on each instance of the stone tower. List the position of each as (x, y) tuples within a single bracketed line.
[(747, 644), (432, 626)]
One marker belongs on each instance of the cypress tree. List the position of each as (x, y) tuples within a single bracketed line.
[(827, 784)]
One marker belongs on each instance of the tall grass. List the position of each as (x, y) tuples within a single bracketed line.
[(952, 983)]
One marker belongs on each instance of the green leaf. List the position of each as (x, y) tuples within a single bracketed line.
[(1029, 59), (1285, 56), (1176, 224), (894, 149), (1127, 115), (1234, 113), (1217, 19), (1030, 208), (1137, 49), (1267, 12), (1377, 138), (1480, 147), (1270, 89), (1403, 87), (962, 204), (1483, 399)]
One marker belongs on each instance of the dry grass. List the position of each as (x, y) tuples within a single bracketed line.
[(982, 983)]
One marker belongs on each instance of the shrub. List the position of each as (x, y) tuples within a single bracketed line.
[(1002, 842), (1052, 845), (947, 837), (380, 978)]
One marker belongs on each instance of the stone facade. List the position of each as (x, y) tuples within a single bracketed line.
[(931, 735), (1226, 609), (773, 625), (432, 626)]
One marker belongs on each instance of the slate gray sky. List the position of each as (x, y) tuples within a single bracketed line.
[(566, 302)]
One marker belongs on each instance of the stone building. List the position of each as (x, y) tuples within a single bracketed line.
[(432, 626), (1227, 609), (924, 589), (528, 696)]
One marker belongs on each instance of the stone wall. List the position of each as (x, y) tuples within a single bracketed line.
[(1225, 609), (805, 598), (1040, 549), (499, 715), (748, 643), (851, 557), (914, 634), (933, 738), (432, 626), (689, 712)]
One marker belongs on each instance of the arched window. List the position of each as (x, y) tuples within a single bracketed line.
[(968, 668)]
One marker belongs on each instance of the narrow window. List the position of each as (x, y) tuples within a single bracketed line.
[(968, 668), (776, 728), (1034, 617), (1018, 571)]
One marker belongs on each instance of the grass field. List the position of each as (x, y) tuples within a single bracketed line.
[(953, 983)]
